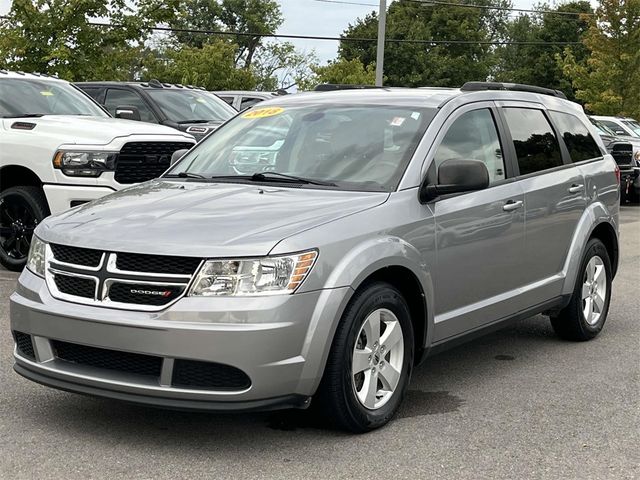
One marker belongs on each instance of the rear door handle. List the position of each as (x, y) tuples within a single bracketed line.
[(512, 205), (576, 188)]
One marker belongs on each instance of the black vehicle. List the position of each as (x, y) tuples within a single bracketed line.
[(622, 151), (186, 108)]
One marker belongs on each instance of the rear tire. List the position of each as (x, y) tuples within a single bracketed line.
[(368, 399), (21, 210), (587, 311)]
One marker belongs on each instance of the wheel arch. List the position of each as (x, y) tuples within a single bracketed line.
[(17, 175)]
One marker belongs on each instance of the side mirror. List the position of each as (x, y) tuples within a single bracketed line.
[(127, 112), (177, 155), (455, 176)]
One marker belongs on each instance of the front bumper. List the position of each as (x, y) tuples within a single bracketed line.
[(63, 197), (279, 342)]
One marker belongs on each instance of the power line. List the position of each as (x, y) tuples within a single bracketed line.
[(490, 7), (325, 38), (347, 3)]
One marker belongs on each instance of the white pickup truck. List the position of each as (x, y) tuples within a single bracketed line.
[(60, 149)]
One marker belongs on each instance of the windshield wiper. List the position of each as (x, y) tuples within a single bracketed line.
[(25, 115), (184, 122), (184, 175), (265, 176)]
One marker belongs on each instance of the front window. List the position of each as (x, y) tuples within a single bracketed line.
[(20, 97), (191, 106), (349, 147)]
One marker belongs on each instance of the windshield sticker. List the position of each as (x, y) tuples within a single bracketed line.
[(397, 121), (263, 112), (415, 115), (46, 94)]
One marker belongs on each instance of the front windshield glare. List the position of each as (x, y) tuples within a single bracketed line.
[(185, 106), (20, 97), (635, 126), (354, 147)]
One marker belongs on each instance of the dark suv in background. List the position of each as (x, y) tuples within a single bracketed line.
[(186, 108)]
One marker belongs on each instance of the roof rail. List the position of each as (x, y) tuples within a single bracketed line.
[(513, 87), (329, 87)]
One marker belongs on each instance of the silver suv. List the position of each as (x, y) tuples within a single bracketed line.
[(320, 246)]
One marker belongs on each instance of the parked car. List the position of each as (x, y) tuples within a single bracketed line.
[(243, 99), (186, 108), (323, 276), (621, 126), (59, 149), (626, 153)]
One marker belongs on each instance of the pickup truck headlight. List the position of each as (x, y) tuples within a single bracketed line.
[(84, 163), (636, 156), (247, 277), (37, 253)]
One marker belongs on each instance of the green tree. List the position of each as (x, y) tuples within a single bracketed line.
[(55, 37), (536, 64), (340, 71), (415, 65), (262, 17), (211, 67), (280, 65), (609, 82)]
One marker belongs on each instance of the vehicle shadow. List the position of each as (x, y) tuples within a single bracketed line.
[(429, 394)]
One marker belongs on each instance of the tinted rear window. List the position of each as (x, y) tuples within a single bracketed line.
[(536, 145), (576, 136)]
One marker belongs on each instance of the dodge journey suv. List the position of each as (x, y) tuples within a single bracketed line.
[(317, 247)]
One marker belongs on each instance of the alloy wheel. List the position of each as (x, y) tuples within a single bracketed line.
[(594, 290), (378, 357), (17, 223)]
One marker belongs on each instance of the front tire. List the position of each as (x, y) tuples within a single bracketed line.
[(587, 311), (370, 362), (21, 210)]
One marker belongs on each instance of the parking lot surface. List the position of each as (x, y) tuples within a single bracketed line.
[(519, 403)]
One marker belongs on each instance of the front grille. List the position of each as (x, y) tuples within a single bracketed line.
[(78, 256), (25, 344), (622, 153), (125, 362), (142, 161), (77, 286), (134, 262), (144, 294), (207, 375)]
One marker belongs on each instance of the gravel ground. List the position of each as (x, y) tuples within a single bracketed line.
[(518, 403)]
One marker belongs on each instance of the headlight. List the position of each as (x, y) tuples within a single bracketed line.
[(84, 164), (637, 156), (36, 259), (260, 276)]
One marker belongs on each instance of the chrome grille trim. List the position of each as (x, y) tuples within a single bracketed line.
[(106, 275)]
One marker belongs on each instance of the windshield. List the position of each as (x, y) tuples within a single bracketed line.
[(187, 106), (602, 128), (633, 125), (352, 147), (26, 97)]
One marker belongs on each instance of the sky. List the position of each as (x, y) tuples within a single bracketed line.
[(312, 17)]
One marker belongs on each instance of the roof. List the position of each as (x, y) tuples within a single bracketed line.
[(248, 93), (428, 97), (33, 76), (151, 85)]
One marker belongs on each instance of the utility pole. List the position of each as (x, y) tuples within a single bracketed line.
[(382, 25)]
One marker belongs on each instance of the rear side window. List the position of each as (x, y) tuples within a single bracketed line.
[(248, 102), (537, 147), (576, 136)]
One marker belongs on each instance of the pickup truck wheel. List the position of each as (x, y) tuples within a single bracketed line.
[(587, 311), (21, 209), (369, 365)]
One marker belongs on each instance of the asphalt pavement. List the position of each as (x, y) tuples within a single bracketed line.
[(516, 404)]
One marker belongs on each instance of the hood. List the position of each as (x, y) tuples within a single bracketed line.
[(197, 219), (81, 130), (199, 130)]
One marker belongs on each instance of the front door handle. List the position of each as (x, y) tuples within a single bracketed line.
[(576, 188), (512, 205)]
